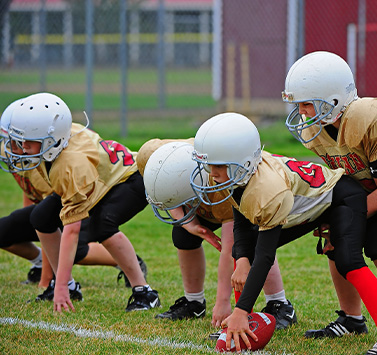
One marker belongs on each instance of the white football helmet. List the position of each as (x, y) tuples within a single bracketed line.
[(44, 118), (229, 139), (4, 137), (321, 78), (167, 182)]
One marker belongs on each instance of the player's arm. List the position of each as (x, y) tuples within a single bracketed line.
[(222, 308), (265, 253), (68, 247)]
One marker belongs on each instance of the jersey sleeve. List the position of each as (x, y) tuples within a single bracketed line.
[(75, 187), (265, 252), (268, 213)]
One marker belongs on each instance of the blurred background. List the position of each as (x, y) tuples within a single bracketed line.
[(124, 60)]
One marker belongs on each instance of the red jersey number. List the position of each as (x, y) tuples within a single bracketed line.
[(112, 148), (308, 172)]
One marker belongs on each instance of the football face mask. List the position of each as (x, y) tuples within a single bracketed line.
[(205, 190), (297, 122)]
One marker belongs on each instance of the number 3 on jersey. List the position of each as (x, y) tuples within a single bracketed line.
[(308, 172), (112, 148)]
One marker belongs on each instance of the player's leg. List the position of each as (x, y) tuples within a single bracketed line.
[(47, 272), (90, 252), (17, 236), (350, 319), (97, 255), (348, 228), (123, 253), (32, 253), (193, 265), (119, 205)]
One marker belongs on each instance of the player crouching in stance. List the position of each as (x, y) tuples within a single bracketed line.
[(166, 166), (286, 199), (341, 128), (93, 177)]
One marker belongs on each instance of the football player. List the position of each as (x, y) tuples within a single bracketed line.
[(17, 234), (166, 166), (332, 121), (93, 177), (286, 199)]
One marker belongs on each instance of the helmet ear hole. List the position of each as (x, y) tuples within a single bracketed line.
[(335, 102)]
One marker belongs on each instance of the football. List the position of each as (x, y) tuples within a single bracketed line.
[(262, 324)]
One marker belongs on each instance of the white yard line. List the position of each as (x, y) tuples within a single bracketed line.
[(96, 334)]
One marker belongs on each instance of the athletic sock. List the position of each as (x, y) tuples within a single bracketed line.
[(199, 296), (279, 296), (366, 285), (37, 262)]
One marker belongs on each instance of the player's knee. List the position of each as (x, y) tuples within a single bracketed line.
[(344, 266), (103, 227), (188, 242), (43, 223)]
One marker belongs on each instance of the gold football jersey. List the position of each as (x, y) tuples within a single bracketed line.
[(287, 192), (356, 144), (33, 185), (220, 213), (86, 170)]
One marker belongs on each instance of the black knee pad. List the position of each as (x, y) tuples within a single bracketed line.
[(45, 216), (184, 240), (103, 226), (16, 228), (370, 243)]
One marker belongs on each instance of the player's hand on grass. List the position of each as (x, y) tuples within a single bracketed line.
[(238, 328), (220, 311), (240, 274), (62, 301)]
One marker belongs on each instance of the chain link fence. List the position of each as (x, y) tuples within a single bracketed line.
[(121, 59)]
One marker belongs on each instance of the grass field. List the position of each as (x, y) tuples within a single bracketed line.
[(100, 324), (185, 89)]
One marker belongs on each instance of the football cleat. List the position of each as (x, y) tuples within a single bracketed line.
[(142, 299), (184, 309), (284, 314), (76, 295), (372, 351), (143, 267), (33, 276), (48, 293), (343, 325)]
